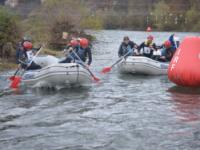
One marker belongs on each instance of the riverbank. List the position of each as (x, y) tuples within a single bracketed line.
[(4, 65)]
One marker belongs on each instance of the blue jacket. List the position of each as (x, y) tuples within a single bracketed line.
[(125, 48), (168, 52), (83, 54), (173, 42)]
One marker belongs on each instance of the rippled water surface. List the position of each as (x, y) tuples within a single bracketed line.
[(123, 112)]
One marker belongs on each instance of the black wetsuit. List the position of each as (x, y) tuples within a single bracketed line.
[(147, 49), (23, 59)]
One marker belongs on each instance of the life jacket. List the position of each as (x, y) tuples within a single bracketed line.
[(22, 56), (126, 49), (81, 53), (30, 55), (146, 48)]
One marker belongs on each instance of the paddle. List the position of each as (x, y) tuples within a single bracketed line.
[(86, 67), (15, 80), (108, 69), (13, 77)]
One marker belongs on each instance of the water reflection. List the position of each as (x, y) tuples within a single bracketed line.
[(186, 103)]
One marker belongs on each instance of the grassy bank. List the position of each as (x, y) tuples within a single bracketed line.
[(7, 66)]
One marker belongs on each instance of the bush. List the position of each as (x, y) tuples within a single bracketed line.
[(9, 30), (47, 23), (161, 13), (56, 31), (92, 22), (193, 22)]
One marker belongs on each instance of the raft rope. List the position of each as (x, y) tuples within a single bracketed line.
[(78, 70)]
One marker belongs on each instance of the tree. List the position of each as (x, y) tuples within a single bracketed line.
[(53, 17), (192, 17), (163, 19), (9, 29)]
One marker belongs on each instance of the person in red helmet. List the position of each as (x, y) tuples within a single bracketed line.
[(84, 51), (20, 47), (146, 48), (69, 56), (26, 56), (167, 51)]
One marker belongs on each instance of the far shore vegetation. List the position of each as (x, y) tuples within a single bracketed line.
[(46, 22)]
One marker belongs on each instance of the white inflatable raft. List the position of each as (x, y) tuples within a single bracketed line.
[(143, 65), (54, 74)]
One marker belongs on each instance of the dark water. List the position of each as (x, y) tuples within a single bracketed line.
[(123, 112)]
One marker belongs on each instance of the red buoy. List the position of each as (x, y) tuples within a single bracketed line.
[(149, 29), (184, 69)]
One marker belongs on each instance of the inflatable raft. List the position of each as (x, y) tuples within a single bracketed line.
[(54, 74), (184, 67), (143, 65)]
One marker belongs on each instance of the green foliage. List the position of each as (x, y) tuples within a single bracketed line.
[(9, 29), (92, 22), (193, 22), (37, 29), (47, 23), (161, 13)]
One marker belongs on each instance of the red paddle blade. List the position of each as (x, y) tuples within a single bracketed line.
[(12, 78), (96, 79), (15, 82), (106, 70)]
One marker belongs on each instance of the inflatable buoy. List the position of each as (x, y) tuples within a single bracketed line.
[(184, 69), (149, 29)]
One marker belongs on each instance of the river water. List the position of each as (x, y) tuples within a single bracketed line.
[(123, 112)]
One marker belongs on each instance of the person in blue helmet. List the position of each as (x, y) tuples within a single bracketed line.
[(174, 41)]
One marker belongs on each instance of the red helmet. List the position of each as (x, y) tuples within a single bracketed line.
[(84, 42), (150, 37), (27, 45), (74, 43), (167, 44)]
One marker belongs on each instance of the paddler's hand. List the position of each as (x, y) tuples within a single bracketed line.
[(70, 49)]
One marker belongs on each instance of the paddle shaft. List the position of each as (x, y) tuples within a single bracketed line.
[(119, 60), (17, 70), (83, 64), (32, 60), (16, 80)]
